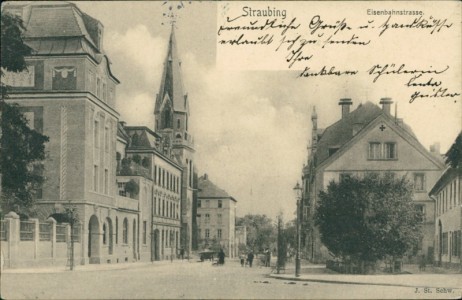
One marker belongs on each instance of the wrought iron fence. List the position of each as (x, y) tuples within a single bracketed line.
[(27, 231), (45, 231), (61, 233), (3, 230)]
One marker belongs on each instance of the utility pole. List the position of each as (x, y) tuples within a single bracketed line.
[(298, 191)]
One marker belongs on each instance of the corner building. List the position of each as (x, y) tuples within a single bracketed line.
[(68, 93), (367, 139)]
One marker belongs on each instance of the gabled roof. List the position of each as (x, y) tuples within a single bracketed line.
[(172, 83), (341, 132), (448, 175), (208, 189)]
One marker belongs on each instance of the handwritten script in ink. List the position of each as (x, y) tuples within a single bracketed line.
[(306, 44)]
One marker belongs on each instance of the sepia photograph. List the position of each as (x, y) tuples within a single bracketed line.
[(231, 150)]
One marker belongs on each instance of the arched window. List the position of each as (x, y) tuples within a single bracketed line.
[(167, 118), (125, 231), (117, 230), (178, 123)]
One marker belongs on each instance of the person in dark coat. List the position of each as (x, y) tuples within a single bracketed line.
[(221, 257), (250, 258)]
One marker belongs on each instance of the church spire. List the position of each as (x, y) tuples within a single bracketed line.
[(171, 86)]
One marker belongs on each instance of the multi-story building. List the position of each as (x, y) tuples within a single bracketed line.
[(68, 93), (171, 117), (368, 139), (126, 183), (447, 193), (216, 217), (160, 211)]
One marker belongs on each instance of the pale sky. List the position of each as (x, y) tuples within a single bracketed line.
[(251, 128)]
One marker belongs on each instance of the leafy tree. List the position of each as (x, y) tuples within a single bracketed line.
[(369, 219), (21, 147), (454, 154), (261, 233), (13, 47)]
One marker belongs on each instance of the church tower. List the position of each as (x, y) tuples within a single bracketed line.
[(171, 117)]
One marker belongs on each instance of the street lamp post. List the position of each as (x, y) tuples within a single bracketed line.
[(298, 192)]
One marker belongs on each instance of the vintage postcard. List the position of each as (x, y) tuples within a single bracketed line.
[(231, 150)]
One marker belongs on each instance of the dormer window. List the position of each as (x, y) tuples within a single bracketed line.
[(332, 150), (64, 78)]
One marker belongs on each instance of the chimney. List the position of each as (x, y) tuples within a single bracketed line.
[(206, 177), (345, 103), (435, 148), (386, 104)]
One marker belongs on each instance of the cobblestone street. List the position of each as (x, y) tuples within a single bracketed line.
[(193, 280)]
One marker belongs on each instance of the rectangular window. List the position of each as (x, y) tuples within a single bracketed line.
[(445, 244), (219, 233), (104, 92), (198, 203), (207, 218), (419, 182), (207, 203), (145, 227), (207, 233), (98, 87), (96, 134), (106, 182), (219, 218), (390, 150), (121, 187), (420, 209), (155, 174), (95, 178), (199, 233), (220, 203), (106, 139), (374, 151)]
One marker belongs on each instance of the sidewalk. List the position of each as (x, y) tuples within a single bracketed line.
[(93, 267), (316, 273)]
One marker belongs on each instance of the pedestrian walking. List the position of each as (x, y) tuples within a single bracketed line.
[(422, 263), (250, 258), (221, 257), (242, 258), (268, 258)]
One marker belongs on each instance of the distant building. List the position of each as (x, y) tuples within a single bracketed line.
[(447, 193), (216, 216), (368, 139)]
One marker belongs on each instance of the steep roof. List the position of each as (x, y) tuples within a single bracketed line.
[(339, 133), (59, 27), (172, 84), (448, 175), (208, 189)]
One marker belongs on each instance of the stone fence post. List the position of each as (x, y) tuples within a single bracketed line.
[(36, 236), (53, 238), (13, 238)]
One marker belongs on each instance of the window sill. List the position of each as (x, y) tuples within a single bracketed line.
[(382, 159)]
